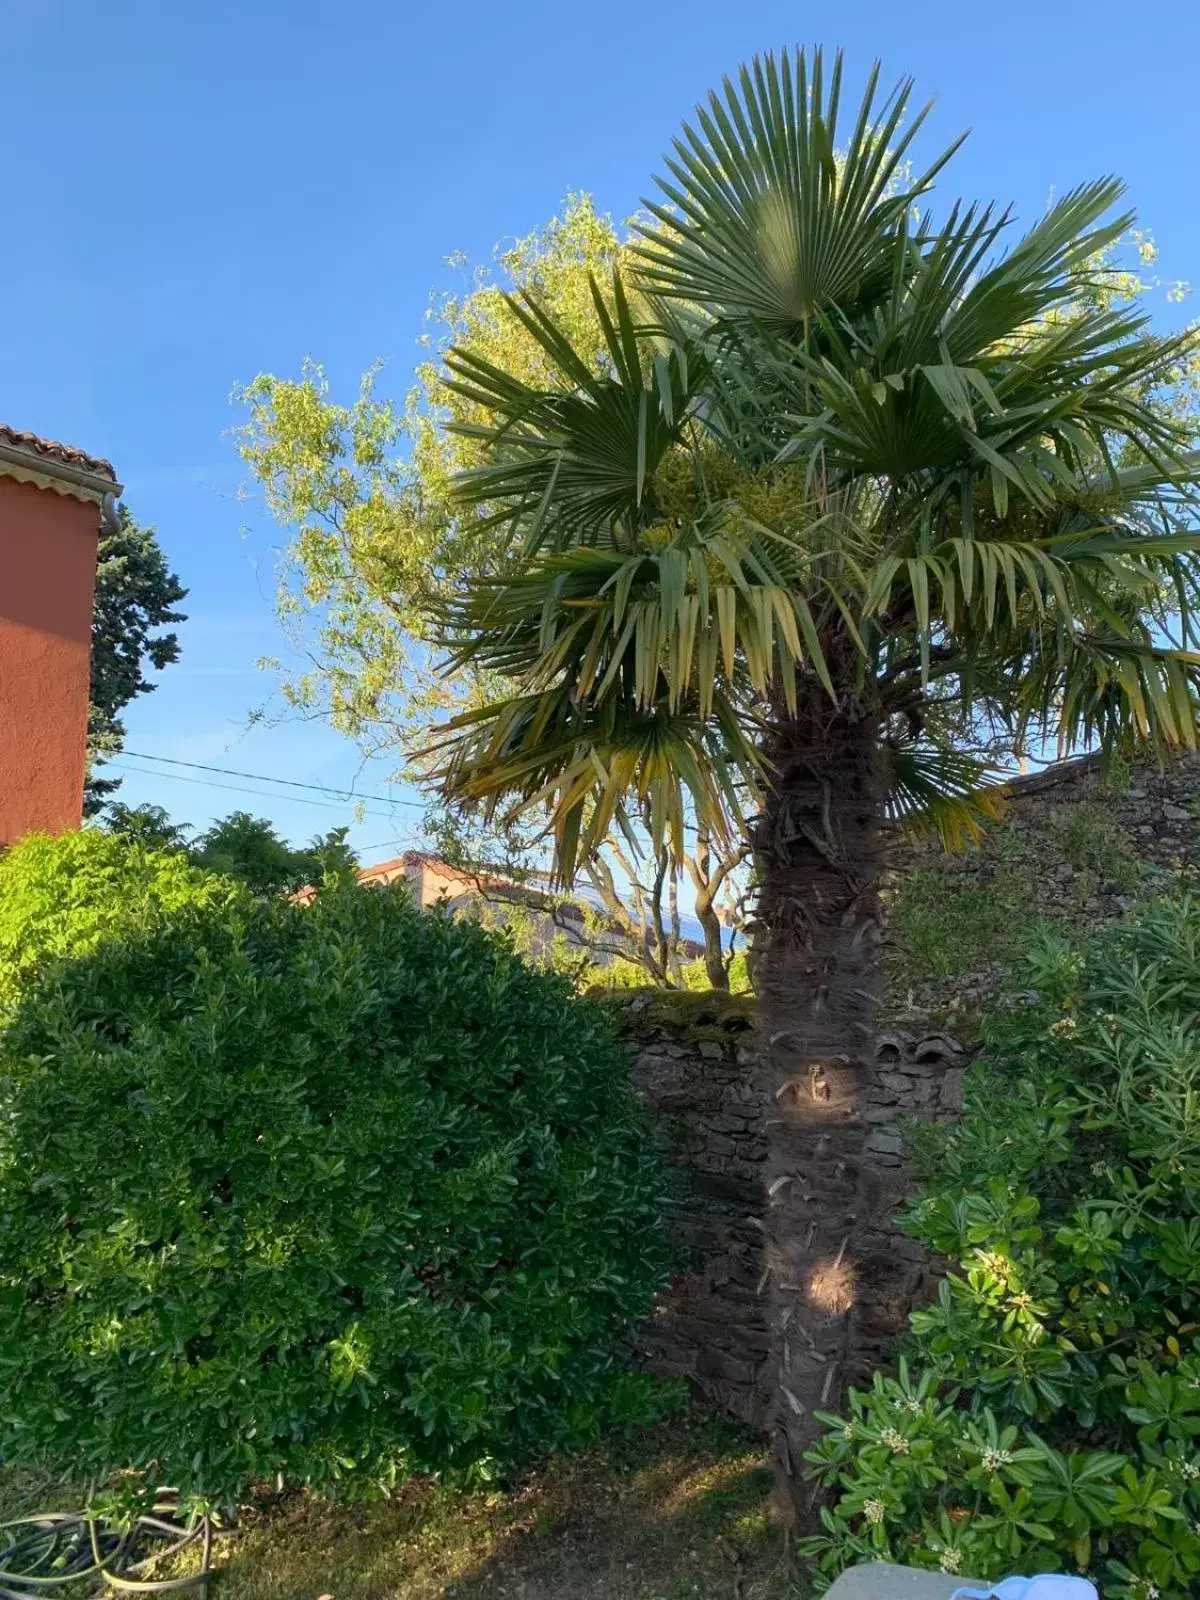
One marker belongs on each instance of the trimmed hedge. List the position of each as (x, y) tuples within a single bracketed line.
[(339, 1192)]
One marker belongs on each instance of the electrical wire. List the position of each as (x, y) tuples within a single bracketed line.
[(258, 794), (263, 777)]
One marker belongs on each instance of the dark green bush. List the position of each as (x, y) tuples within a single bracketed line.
[(1048, 1419), (339, 1193)]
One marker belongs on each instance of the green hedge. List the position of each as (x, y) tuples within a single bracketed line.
[(1047, 1418), (341, 1193)]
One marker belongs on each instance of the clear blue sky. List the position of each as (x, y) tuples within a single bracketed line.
[(199, 192)]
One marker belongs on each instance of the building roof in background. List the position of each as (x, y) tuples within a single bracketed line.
[(440, 880), (384, 871), (437, 880)]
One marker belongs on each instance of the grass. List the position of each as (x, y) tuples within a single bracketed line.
[(952, 914), (1093, 842), (675, 1511), (941, 927)]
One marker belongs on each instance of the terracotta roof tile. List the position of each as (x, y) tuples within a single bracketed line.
[(50, 450)]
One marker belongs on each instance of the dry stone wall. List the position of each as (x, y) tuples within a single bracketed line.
[(1077, 846), (919, 1077), (694, 1063)]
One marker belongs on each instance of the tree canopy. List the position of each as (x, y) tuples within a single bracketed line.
[(136, 597), (379, 542), (240, 846), (376, 538), (834, 444)]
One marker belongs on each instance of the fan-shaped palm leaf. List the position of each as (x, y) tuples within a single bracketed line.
[(765, 220), (943, 789), (572, 463)]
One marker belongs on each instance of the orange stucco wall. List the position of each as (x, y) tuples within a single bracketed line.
[(47, 575)]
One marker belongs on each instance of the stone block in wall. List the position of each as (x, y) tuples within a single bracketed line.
[(710, 1327), (689, 1058)]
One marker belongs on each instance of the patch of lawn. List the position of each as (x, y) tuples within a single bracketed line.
[(670, 1512)]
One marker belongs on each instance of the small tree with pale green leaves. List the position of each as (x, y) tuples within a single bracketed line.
[(378, 541)]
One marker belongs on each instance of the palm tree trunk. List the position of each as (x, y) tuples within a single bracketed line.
[(820, 853)]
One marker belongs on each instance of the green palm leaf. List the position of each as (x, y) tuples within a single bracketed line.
[(571, 464), (840, 463), (939, 788), (765, 221)]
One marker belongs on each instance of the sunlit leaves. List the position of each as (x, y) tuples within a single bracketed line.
[(573, 463), (765, 218), (1050, 1417), (362, 491), (336, 1193)]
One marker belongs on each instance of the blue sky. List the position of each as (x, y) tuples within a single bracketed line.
[(198, 193)]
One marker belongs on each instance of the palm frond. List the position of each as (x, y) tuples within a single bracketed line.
[(571, 463), (943, 790), (1104, 689), (589, 767), (1008, 379), (763, 220)]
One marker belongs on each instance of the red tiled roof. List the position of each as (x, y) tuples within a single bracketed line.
[(385, 871), (390, 869), (50, 450)]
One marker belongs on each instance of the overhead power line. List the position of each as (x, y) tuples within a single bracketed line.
[(258, 794), (235, 788), (263, 777), (382, 844)]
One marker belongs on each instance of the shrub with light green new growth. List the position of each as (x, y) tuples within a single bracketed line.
[(64, 896), (1048, 1416), (339, 1192)]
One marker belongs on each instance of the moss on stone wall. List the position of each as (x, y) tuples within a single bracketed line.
[(690, 1014)]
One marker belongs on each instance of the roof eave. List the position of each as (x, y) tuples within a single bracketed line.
[(30, 466)]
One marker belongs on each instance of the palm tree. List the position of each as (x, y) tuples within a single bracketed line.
[(852, 487)]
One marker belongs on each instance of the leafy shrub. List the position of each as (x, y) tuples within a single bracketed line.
[(248, 848), (341, 1193), (63, 896), (1052, 1420), (239, 846), (695, 974)]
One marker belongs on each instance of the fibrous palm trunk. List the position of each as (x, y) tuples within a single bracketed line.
[(820, 856)]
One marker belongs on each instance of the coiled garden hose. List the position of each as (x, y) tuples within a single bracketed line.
[(41, 1555)]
